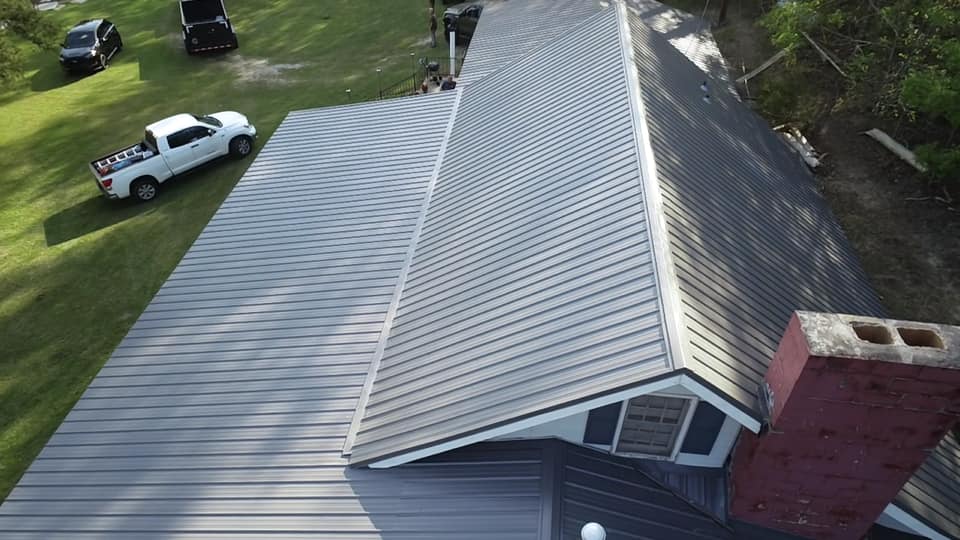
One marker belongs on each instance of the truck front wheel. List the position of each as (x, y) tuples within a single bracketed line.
[(144, 189), (240, 147)]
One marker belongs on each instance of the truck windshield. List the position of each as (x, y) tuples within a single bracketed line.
[(78, 40), (209, 120)]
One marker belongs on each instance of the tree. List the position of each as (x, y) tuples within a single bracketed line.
[(21, 24), (902, 57)]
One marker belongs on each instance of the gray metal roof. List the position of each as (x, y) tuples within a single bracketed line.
[(689, 34), (533, 284), (223, 412), (932, 495), (626, 501), (509, 30), (751, 239), (508, 259)]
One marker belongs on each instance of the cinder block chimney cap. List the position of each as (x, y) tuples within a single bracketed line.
[(869, 338)]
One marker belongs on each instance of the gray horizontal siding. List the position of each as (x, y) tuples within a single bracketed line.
[(223, 412), (507, 31), (932, 495), (751, 239), (532, 286)]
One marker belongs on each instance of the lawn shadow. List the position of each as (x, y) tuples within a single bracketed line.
[(89, 216), (98, 212), (51, 77)]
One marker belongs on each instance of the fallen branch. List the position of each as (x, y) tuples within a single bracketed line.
[(763, 67), (900, 150), (798, 142), (824, 55)]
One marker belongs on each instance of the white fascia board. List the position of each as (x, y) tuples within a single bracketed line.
[(721, 447), (910, 524), (729, 409), (623, 395)]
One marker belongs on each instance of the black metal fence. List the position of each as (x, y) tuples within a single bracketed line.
[(410, 84), (406, 86)]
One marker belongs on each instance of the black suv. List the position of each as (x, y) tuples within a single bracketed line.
[(462, 20), (89, 46)]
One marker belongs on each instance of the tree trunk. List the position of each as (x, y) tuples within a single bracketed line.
[(722, 17)]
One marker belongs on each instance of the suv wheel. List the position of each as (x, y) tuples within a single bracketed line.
[(240, 147)]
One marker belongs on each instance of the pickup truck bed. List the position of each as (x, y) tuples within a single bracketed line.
[(118, 160), (206, 26)]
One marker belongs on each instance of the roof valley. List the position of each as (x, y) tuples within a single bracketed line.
[(401, 282)]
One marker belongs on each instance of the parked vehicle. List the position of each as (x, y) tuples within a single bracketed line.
[(172, 146), (461, 19), (89, 46), (206, 26)]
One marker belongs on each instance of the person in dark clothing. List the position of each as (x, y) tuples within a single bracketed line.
[(448, 83), (433, 28)]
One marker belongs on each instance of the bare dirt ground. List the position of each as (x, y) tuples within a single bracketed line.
[(910, 248), (251, 70)]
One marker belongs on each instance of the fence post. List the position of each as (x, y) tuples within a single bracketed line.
[(453, 54), (413, 74), (379, 85)]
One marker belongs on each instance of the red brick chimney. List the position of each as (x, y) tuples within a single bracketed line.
[(855, 405)]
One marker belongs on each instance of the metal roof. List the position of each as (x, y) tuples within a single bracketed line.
[(689, 34), (618, 494), (409, 288), (223, 412), (932, 495), (751, 238), (533, 285), (509, 30)]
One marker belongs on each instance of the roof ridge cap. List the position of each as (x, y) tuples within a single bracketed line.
[(384, 336), (671, 309)]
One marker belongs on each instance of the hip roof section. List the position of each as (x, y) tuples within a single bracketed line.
[(533, 285)]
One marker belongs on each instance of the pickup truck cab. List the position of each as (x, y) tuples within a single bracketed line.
[(170, 147)]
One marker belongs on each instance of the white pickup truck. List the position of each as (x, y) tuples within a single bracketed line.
[(172, 146)]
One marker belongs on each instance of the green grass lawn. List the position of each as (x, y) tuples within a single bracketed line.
[(76, 270)]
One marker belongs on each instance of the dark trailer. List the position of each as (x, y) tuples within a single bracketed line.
[(206, 26)]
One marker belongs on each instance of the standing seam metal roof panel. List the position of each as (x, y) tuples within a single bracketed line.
[(751, 239), (509, 30), (532, 286), (224, 410), (932, 494), (618, 494)]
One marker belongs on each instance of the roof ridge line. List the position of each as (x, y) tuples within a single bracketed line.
[(378, 353), (671, 312)]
